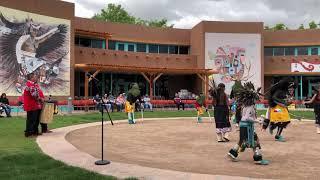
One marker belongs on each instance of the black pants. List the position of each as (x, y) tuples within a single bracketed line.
[(44, 127), (32, 123), (180, 104)]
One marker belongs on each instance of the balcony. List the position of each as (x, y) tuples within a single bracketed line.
[(102, 57)]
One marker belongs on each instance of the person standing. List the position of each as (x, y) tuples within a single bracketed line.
[(316, 105), (4, 103), (177, 100), (221, 113), (200, 103), (33, 99)]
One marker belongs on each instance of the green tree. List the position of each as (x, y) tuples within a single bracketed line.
[(312, 25), (280, 26), (116, 13), (301, 26)]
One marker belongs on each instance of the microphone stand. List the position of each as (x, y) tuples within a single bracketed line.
[(101, 106)]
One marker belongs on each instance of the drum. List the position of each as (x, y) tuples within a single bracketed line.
[(47, 113)]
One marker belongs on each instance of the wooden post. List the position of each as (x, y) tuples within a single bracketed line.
[(151, 87), (86, 85), (206, 87)]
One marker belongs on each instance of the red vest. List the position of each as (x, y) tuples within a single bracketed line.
[(31, 96)]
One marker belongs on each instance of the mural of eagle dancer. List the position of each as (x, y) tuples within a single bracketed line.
[(29, 47)]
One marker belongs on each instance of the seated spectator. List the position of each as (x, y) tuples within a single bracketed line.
[(111, 100), (177, 100), (139, 104), (106, 105), (120, 101), (147, 102), (4, 103), (96, 99)]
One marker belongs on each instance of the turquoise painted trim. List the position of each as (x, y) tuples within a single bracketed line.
[(296, 94), (309, 88), (104, 44), (301, 90)]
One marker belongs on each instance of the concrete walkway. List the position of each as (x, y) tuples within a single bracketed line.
[(55, 145)]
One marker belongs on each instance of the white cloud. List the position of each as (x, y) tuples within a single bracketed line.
[(187, 13)]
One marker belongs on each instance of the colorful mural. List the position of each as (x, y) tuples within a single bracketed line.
[(32, 43), (234, 57), (302, 66)]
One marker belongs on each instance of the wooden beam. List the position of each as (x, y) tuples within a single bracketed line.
[(94, 75), (145, 76), (157, 77), (200, 76)]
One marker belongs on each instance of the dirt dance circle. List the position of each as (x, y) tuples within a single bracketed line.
[(184, 145)]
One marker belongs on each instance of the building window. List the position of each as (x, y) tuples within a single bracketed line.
[(76, 40), (278, 51), (290, 51), (141, 47), (173, 50), (302, 50), (183, 49), (121, 47), (130, 47), (314, 51), (153, 48), (85, 42), (268, 51), (111, 45), (96, 43), (163, 49)]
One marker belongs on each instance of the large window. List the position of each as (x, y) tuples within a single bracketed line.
[(120, 47), (279, 51), (290, 51), (96, 43), (130, 47), (76, 40), (183, 50), (85, 42), (153, 48), (163, 49), (141, 47), (314, 51), (173, 49), (268, 51), (111, 45), (302, 51)]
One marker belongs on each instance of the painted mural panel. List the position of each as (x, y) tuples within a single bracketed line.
[(234, 56), (302, 66), (33, 43)]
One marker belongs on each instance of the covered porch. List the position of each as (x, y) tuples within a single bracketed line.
[(158, 83)]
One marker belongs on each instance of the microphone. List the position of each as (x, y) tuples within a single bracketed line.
[(91, 76)]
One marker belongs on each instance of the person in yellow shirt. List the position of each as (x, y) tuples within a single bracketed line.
[(281, 96), (133, 95)]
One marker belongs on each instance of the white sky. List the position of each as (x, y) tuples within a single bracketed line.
[(187, 13)]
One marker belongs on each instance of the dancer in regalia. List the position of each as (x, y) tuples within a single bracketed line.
[(315, 100), (248, 96), (221, 112), (281, 95), (200, 104), (133, 95)]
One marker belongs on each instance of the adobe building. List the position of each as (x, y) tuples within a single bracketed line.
[(48, 39)]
